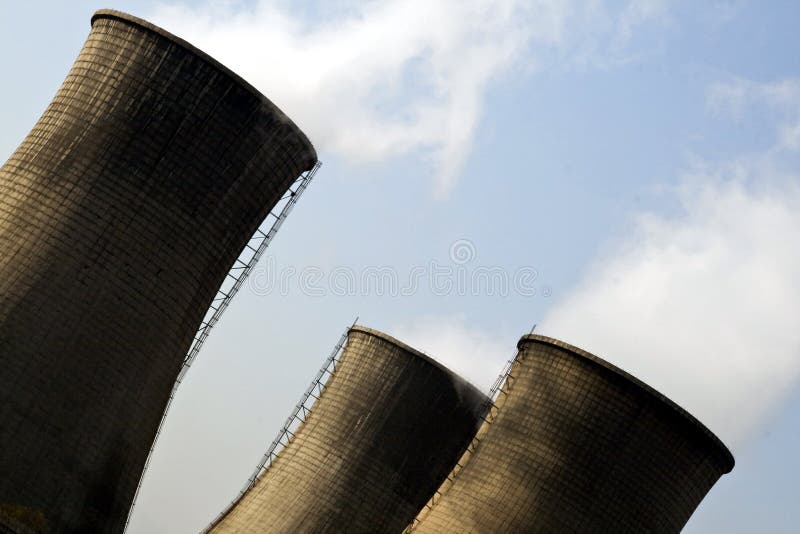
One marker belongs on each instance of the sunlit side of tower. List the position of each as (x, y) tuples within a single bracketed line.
[(120, 215), (388, 427), (574, 444)]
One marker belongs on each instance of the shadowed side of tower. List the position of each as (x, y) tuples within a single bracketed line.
[(578, 445), (383, 435), (120, 215)]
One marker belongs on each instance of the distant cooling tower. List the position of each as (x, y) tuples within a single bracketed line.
[(388, 427), (577, 445), (122, 212)]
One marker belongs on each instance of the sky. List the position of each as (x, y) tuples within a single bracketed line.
[(624, 175)]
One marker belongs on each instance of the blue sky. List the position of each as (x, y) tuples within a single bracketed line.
[(640, 159)]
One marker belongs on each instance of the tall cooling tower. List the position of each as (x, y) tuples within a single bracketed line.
[(388, 427), (577, 445), (120, 215)]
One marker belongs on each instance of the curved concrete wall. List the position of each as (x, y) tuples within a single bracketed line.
[(120, 215), (577, 445), (385, 432)]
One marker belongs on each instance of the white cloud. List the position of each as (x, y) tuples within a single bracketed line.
[(474, 354), (703, 305), (377, 80)]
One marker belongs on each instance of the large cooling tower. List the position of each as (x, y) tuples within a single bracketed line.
[(577, 445), (388, 427), (120, 215)]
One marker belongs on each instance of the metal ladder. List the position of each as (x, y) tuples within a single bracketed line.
[(500, 386), (296, 418), (242, 267)]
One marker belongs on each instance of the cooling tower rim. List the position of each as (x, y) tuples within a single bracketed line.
[(418, 354), (149, 26), (649, 390)]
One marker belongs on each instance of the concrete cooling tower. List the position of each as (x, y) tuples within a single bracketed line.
[(120, 215), (387, 429), (574, 444)]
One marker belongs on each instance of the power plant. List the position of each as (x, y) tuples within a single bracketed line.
[(575, 444), (123, 211), (386, 430), (131, 215)]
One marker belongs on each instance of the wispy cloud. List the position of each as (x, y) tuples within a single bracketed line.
[(736, 94), (736, 97), (637, 14), (703, 305), (377, 80), (472, 353)]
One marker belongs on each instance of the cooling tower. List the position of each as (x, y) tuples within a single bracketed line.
[(120, 215), (388, 427), (578, 445)]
